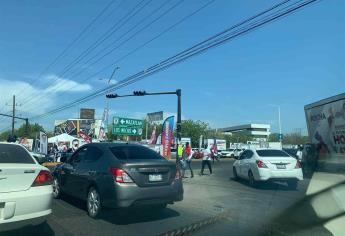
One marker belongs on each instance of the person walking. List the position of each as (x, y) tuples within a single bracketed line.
[(206, 160), (214, 152), (187, 158)]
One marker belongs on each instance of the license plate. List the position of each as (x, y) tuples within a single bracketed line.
[(155, 178), (281, 166)]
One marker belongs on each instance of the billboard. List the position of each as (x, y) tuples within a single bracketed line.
[(73, 126), (326, 127), (155, 116), (221, 143), (87, 113), (43, 143)]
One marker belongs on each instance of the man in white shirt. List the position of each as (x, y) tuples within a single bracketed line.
[(206, 160)]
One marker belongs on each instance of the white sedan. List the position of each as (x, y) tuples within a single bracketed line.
[(25, 188), (267, 164)]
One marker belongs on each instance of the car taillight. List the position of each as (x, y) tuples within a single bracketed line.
[(298, 165), (43, 178), (120, 176), (178, 174), (260, 164)]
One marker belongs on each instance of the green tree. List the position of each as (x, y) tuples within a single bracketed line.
[(33, 130), (274, 137), (194, 129)]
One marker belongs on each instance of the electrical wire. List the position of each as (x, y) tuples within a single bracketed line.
[(71, 44), (114, 28), (154, 69)]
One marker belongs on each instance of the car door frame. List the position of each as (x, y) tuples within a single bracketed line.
[(87, 172), (240, 163), (247, 161), (69, 173)]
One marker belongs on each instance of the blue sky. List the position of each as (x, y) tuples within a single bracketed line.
[(290, 62)]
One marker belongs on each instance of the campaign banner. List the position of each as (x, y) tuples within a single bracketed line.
[(84, 136), (153, 136), (326, 124), (167, 136), (43, 143)]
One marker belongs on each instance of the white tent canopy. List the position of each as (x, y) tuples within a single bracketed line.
[(62, 138)]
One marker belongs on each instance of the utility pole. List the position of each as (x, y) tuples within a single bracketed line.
[(178, 123), (13, 113), (280, 126)]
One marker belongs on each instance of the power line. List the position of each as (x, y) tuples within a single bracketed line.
[(132, 36), (154, 69), (114, 28), (172, 26), (72, 43), (163, 32)]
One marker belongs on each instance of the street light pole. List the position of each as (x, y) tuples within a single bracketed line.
[(106, 99), (280, 125)]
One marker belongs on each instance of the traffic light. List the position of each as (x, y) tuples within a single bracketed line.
[(112, 95), (139, 93)]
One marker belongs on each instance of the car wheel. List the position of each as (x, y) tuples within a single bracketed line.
[(234, 172), (93, 203), (293, 184), (251, 179), (232, 156), (56, 188)]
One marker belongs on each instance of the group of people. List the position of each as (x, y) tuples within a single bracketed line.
[(209, 154)]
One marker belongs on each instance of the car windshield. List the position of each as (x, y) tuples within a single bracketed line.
[(135, 152), (14, 154), (197, 107), (272, 153)]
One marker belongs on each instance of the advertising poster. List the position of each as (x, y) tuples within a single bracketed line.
[(43, 143), (84, 136), (153, 136), (27, 143), (326, 126), (167, 136)]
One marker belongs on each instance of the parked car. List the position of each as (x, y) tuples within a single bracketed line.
[(118, 175), (25, 188), (258, 165), (197, 154), (227, 153)]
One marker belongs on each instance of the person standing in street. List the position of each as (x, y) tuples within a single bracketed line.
[(214, 152), (206, 160), (187, 157)]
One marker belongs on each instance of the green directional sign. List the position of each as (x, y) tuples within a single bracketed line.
[(127, 126), (127, 131), (127, 122)]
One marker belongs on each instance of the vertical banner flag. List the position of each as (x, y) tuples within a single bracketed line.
[(103, 130), (167, 136), (153, 136), (43, 143)]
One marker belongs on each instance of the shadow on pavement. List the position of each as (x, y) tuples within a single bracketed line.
[(270, 185), (137, 215), (126, 216), (301, 218), (41, 230)]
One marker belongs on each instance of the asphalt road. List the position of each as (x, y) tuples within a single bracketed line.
[(222, 205)]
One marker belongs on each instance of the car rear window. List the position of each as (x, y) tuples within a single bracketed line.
[(14, 154), (134, 152), (272, 153)]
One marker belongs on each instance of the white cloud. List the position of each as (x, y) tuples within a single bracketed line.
[(65, 85), (24, 93)]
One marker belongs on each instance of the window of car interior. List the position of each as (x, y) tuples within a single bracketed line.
[(92, 154)]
